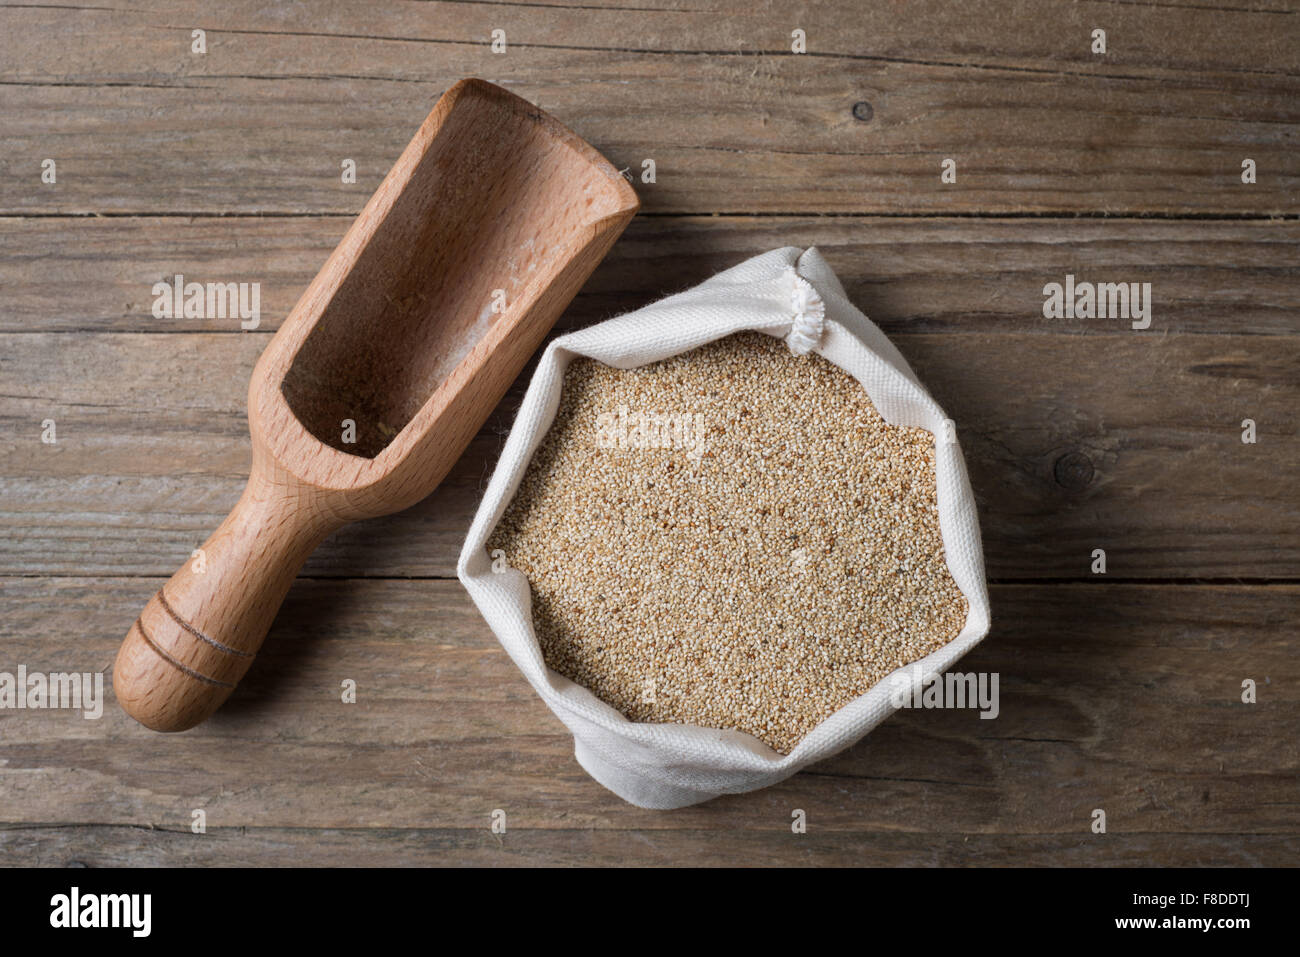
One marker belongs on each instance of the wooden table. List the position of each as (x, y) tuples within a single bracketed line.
[(1121, 692)]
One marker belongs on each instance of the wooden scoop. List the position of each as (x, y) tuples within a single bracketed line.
[(429, 308)]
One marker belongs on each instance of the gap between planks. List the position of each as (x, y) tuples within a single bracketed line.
[(991, 215)]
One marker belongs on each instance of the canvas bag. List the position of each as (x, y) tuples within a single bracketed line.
[(792, 294)]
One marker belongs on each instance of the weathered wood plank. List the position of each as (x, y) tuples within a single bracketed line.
[(1039, 35), (734, 121), (1118, 440), (910, 275), (1122, 697), (123, 846), (1079, 434)]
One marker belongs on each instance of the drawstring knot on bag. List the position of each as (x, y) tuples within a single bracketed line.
[(809, 314)]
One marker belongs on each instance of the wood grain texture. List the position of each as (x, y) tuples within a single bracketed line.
[(943, 275), (1116, 440), (1123, 698), (1078, 434), (53, 845), (734, 121)]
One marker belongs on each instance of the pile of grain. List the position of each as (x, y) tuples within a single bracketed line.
[(760, 581)]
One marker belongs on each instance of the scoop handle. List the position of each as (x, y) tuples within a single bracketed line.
[(199, 634)]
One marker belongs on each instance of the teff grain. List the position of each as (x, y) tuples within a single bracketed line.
[(760, 582)]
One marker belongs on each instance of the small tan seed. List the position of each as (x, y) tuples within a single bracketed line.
[(760, 585)]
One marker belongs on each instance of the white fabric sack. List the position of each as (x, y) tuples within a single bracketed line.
[(791, 294)]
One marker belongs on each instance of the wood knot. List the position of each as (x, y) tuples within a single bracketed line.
[(863, 111), (1073, 471)]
